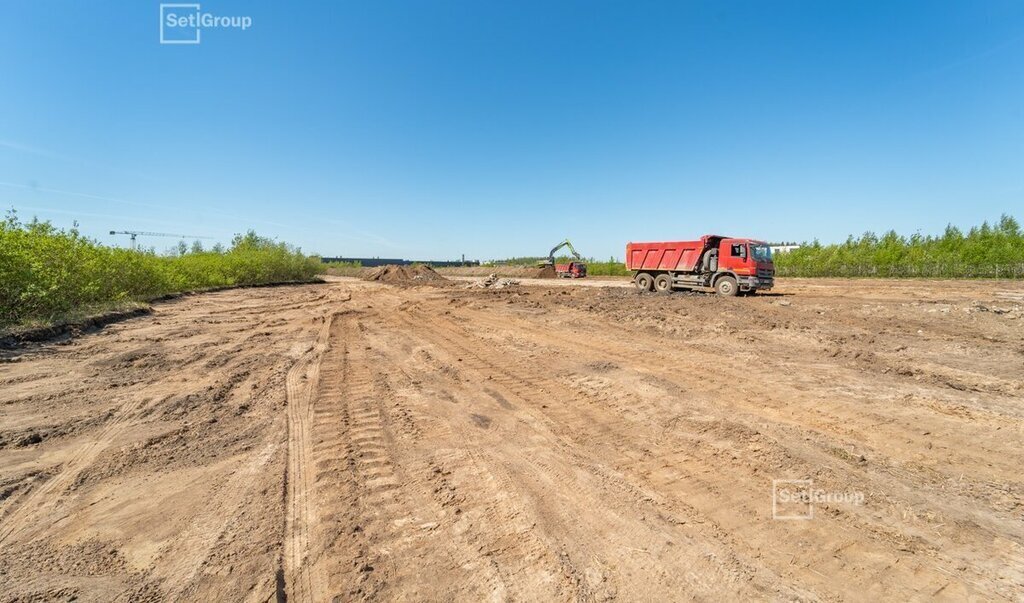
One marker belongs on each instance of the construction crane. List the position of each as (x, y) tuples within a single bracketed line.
[(140, 233)]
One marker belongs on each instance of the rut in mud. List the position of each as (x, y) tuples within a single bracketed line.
[(360, 441)]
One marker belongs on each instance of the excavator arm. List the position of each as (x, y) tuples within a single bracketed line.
[(576, 269), (565, 243)]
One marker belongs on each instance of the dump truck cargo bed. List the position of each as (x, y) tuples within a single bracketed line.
[(680, 256)]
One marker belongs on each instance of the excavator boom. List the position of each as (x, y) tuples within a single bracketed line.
[(576, 269), (565, 243)]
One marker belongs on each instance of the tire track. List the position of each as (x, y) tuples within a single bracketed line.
[(481, 537), (355, 472), (301, 513), (371, 475)]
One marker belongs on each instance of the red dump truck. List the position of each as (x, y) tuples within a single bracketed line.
[(571, 270), (728, 265)]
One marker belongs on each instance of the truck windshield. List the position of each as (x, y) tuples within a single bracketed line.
[(761, 253)]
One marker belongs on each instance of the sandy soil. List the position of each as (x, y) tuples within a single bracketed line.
[(357, 440)]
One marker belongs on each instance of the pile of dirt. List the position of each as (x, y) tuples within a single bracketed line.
[(393, 273), (493, 282), (546, 272)]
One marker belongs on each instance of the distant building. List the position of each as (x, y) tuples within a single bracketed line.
[(783, 248)]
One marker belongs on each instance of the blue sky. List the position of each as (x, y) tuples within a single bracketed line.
[(428, 129)]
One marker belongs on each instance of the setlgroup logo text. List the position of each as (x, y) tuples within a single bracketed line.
[(184, 23)]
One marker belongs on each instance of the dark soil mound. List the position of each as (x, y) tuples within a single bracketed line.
[(546, 272), (392, 273)]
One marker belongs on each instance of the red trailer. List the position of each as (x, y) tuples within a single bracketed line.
[(729, 265)]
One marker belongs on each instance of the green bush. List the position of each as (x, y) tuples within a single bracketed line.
[(609, 268), (337, 268), (47, 273), (985, 251)]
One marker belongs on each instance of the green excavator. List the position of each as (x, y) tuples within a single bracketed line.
[(574, 269)]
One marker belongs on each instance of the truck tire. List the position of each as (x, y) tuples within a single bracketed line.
[(726, 286), (644, 281), (663, 283)]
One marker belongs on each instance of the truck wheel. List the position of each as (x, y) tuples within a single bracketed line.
[(726, 286), (644, 281), (663, 283)]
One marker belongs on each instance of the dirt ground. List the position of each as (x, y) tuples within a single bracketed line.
[(504, 271), (358, 440)]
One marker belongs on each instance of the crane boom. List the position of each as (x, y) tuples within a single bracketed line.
[(142, 233)]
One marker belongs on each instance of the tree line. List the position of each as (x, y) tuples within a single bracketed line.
[(986, 251), (48, 274)]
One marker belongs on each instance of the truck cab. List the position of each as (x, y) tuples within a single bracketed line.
[(749, 261)]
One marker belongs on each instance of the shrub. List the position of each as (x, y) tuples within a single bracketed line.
[(46, 273)]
